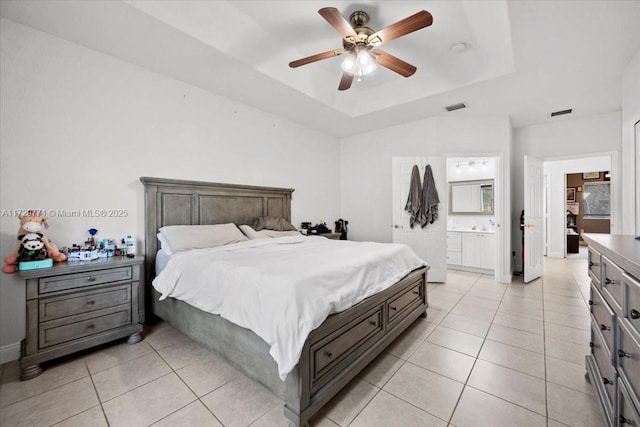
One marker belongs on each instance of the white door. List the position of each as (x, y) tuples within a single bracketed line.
[(533, 217), (429, 243)]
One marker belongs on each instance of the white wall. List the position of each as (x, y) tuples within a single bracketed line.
[(630, 158), (555, 172), (568, 138), (78, 129), (365, 165)]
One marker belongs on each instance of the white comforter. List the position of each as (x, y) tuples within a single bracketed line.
[(283, 288)]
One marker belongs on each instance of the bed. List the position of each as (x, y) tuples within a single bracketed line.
[(332, 355)]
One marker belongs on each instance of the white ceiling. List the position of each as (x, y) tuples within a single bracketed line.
[(525, 59)]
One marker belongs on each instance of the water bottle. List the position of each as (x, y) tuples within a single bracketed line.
[(131, 247)]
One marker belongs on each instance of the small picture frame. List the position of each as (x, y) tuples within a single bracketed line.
[(590, 175), (573, 207), (571, 194)]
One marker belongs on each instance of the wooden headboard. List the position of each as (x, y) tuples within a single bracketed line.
[(178, 202)]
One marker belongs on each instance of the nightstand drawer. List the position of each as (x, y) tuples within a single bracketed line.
[(77, 280), (57, 332), (82, 302)]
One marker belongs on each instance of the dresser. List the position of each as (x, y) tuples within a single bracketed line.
[(613, 365), (77, 305)]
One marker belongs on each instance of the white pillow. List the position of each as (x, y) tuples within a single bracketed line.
[(164, 245), (186, 237), (263, 234)]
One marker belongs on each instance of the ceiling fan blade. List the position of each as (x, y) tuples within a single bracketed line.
[(337, 21), (345, 81), (393, 63), (408, 25), (316, 57)]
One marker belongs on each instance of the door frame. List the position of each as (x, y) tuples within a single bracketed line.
[(502, 207), (557, 214)]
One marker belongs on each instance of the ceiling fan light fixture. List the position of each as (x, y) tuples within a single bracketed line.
[(363, 58), (349, 64)]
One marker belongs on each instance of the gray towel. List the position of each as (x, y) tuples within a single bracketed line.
[(430, 199), (414, 201)]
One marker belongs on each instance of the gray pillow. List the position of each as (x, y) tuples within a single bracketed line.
[(272, 223)]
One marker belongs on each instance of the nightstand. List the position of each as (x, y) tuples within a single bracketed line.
[(77, 305)]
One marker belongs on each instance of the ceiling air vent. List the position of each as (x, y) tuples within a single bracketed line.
[(561, 112), (455, 107)]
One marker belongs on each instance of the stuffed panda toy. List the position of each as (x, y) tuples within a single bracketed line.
[(32, 247)]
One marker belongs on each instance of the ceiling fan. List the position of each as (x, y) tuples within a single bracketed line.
[(361, 44)]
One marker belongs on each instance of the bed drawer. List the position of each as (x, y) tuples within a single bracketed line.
[(628, 355), (594, 265), (74, 327), (77, 280), (401, 305), (329, 352), (82, 302), (632, 302), (612, 284), (603, 317)]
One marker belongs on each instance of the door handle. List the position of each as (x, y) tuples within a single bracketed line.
[(396, 226), (529, 226)]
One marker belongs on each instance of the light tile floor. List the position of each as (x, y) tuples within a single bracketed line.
[(488, 354)]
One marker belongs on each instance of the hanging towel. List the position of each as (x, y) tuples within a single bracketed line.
[(430, 199), (414, 201)]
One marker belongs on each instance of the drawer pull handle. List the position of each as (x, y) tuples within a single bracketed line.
[(608, 281), (416, 292), (621, 353), (593, 264), (91, 279), (591, 344), (624, 420), (635, 314), (373, 322), (590, 302), (607, 381), (392, 308), (91, 326), (605, 328), (90, 302), (328, 353)]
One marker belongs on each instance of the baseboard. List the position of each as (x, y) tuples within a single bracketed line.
[(506, 278), (10, 352)]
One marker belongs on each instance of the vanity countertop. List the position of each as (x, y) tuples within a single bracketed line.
[(468, 230)]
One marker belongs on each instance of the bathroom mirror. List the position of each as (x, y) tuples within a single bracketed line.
[(471, 197)]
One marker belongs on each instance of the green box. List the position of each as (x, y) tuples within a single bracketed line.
[(33, 265)]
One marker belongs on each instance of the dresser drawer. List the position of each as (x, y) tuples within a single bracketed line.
[(82, 302), (594, 264), (604, 362), (77, 280), (612, 284), (401, 305), (57, 332), (328, 352), (603, 317), (631, 314), (628, 355), (628, 414)]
